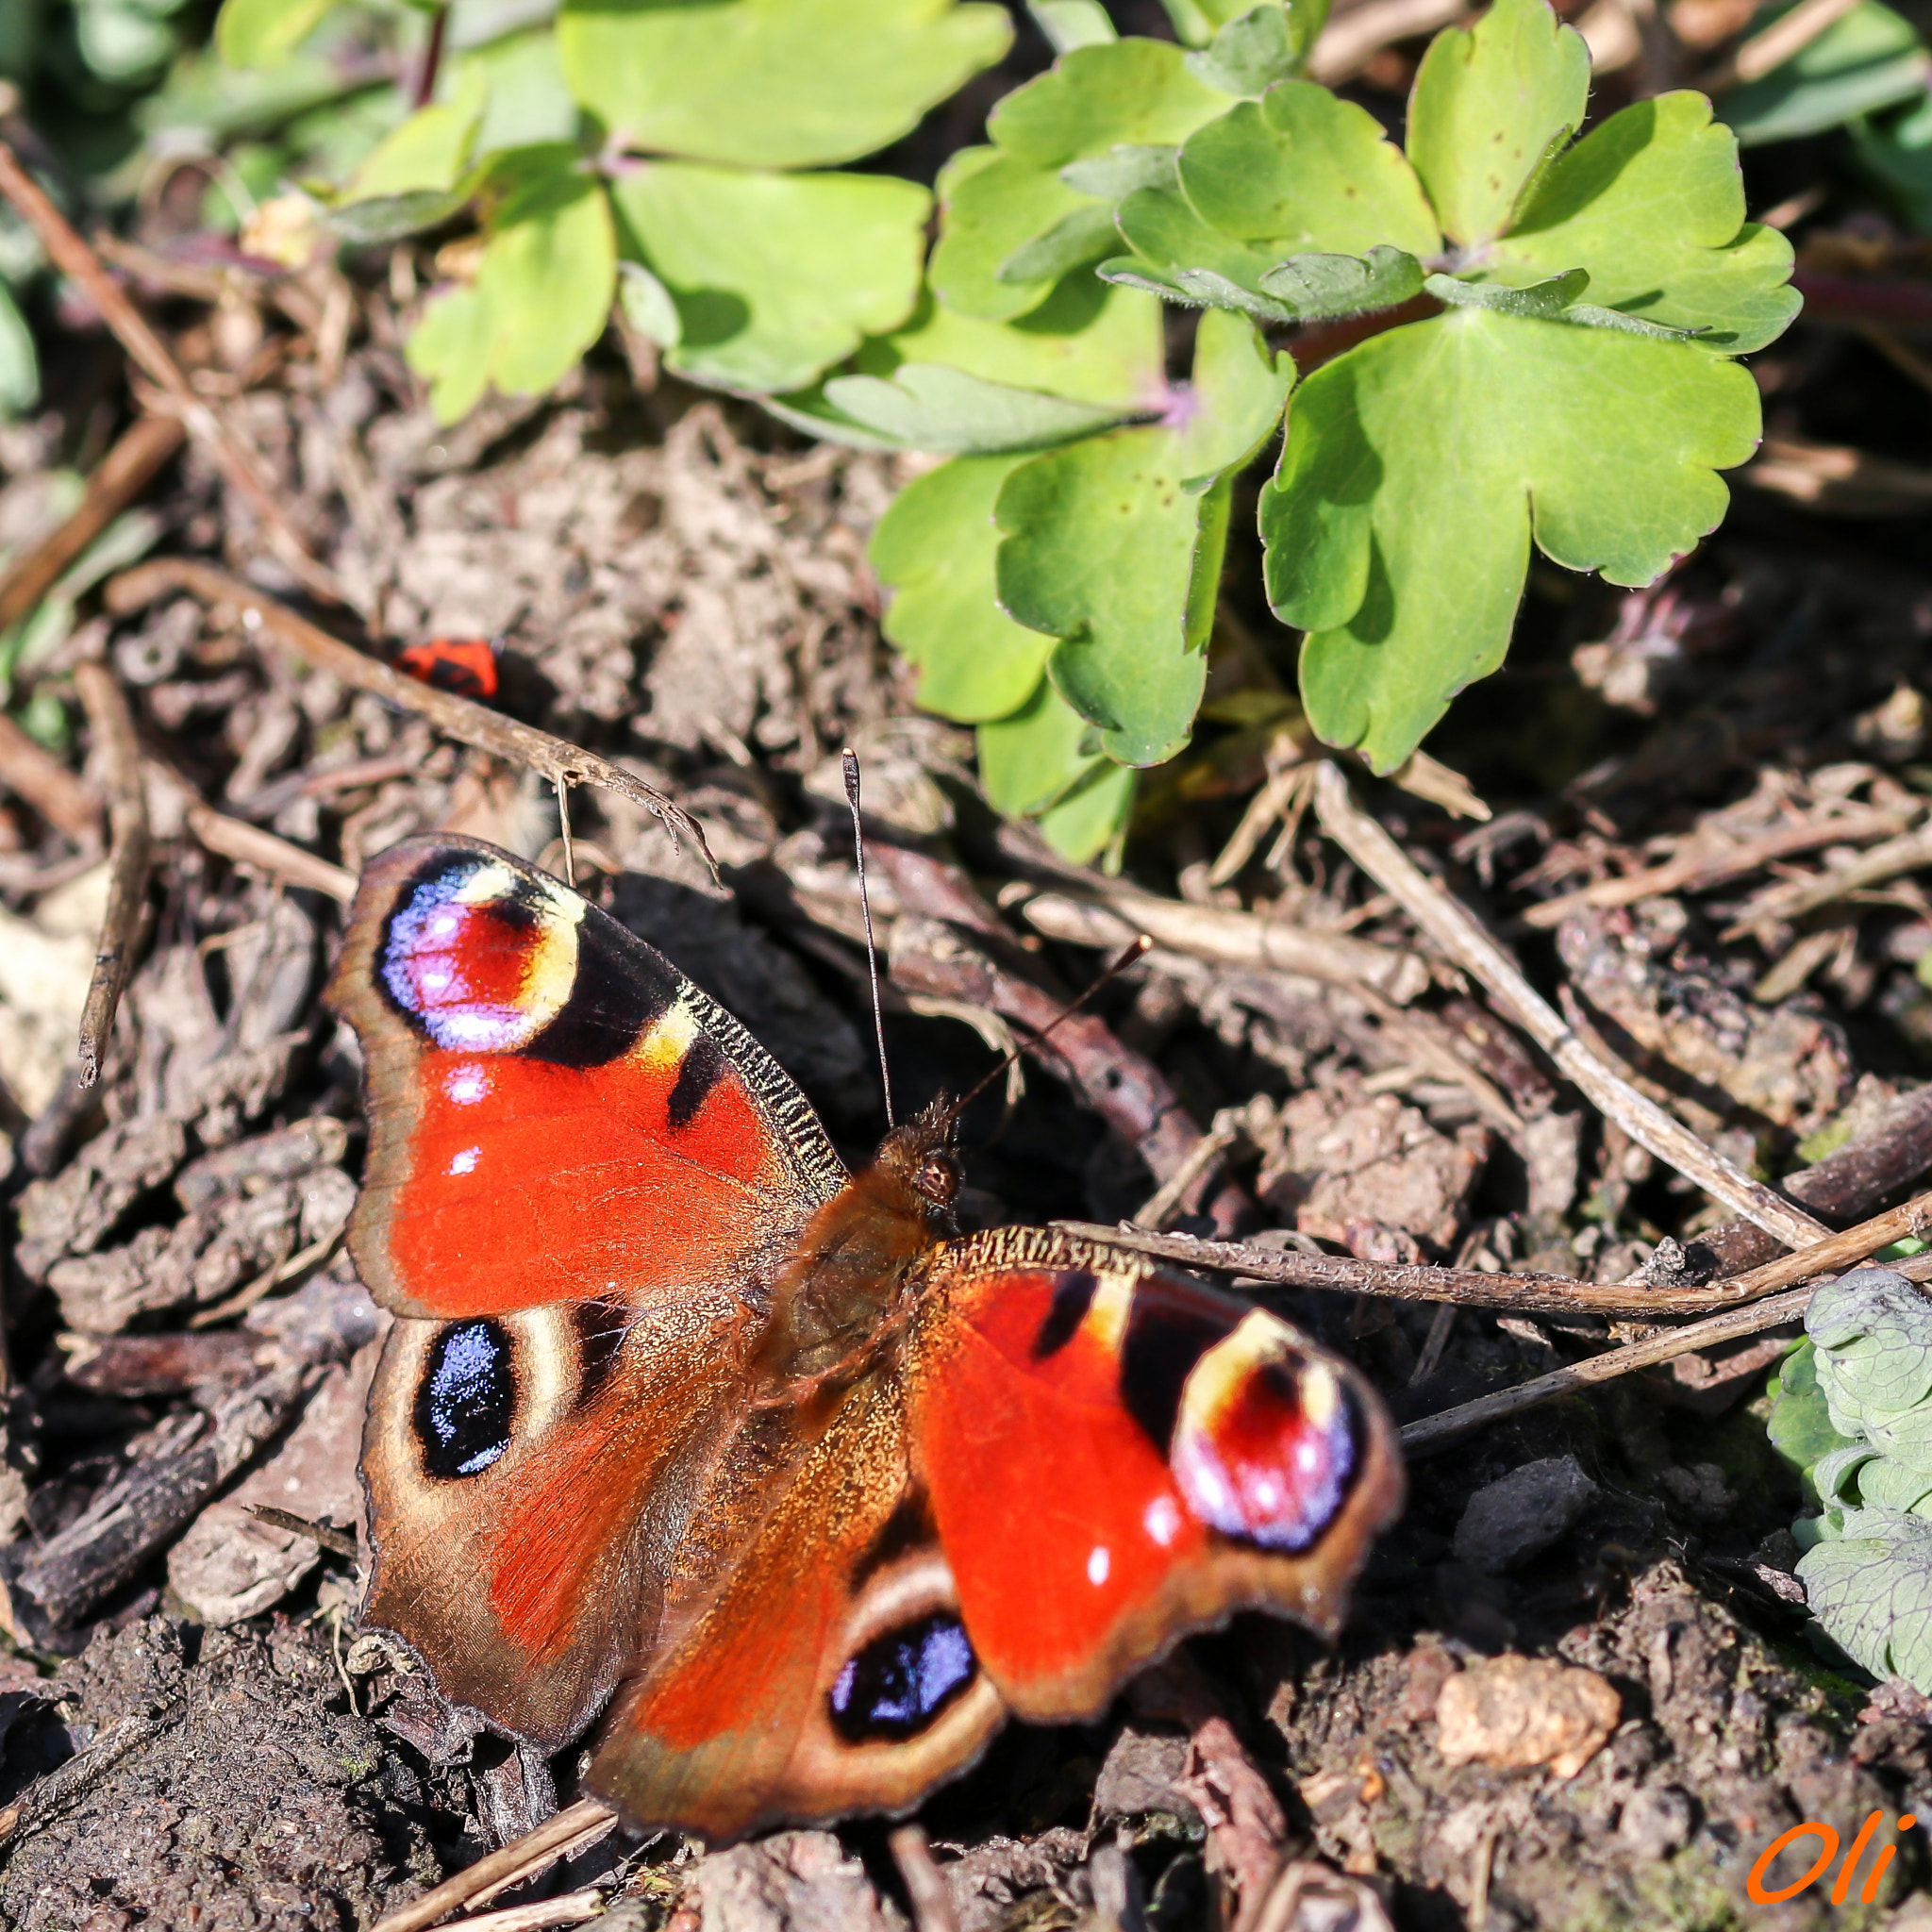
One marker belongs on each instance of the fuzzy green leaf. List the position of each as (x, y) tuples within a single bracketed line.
[(1318, 287), (1873, 1330), (1491, 102), (1300, 171), (776, 277), (935, 547), (770, 83), (1872, 1590), (1416, 468), (1114, 545), (1653, 205), (1087, 822), (1799, 1424), (1122, 169), (999, 199), (1543, 301), (542, 295)]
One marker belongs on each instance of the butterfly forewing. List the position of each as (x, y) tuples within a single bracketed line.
[(556, 1112)]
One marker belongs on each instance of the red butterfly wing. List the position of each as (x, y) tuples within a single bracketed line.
[(556, 1112), (1117, 1456)]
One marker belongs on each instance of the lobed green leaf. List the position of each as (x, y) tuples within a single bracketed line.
[(260, 33)]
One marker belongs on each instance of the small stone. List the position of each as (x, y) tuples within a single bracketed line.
[(1519, 1516), (1515, 1712), (1656, 1823)]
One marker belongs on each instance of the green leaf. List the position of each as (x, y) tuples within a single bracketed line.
[(1319, 287), (258, 33), (1196, 22), (1114, 545), (935, 547), (1543, 301), (1652, 204), (776, 277), (998, 199), (770, 83), (1300, 171), (20, 369), (429, 151), (1871, 59), (1799, 1424), (389, 217), (648, 305), (1249, 55), (1034, 756), (1900, 154), (1417, 466), (930, 405), (1873, 1331), (1124, 168), (542, 295), (1490, 103), (1871, 1591), (1070, 24), (1088, 821), (1077, 238)]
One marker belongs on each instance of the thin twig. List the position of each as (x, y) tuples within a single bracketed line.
[(925, 1886), (250, 845), (1434, 1430), (1535, 1295), (553, 759), (1784, 39), (119, 753), (1699, 867), (118, 479), (338, 1543), (552, 1840), (1456, 929), (75, 259), (34, 773), (285, 1269), (85, 1769), (572, 1909), (1882, 862)]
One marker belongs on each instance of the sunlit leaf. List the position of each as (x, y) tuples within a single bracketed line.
[(258, 33)]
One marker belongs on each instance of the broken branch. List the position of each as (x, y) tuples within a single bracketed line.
[(133, 848)]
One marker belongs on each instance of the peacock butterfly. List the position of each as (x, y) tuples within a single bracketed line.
[(690, 1433)]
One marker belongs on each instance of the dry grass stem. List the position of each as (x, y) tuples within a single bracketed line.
[(249, 844), (34, 773), (1456, 929), (132, 851), (555, 1838)]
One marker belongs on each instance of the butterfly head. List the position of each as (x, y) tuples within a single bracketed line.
[(922, 1154)]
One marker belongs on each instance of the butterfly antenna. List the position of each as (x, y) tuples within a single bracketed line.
[(872, 953), (1066, 1013)]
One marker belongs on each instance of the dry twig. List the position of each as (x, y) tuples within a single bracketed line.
[(250, 845), (1456, 929), (1887, 861), (85, 1769), (567, 1832), (925, 1886), (34, 773), (1538, 1295), (75, 259), (553, 759), (572, 1909), (133, 848), (120, 477)]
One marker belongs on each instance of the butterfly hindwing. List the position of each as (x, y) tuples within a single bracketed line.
[(526, 1477), (1117, 1456), (828, 1673), (556, 1112)]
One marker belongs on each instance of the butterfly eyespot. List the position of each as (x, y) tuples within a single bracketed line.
[(937, 1178), (900, 1682), (466, 1401)]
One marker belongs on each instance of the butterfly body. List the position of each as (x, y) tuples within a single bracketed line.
[(751, 1463)]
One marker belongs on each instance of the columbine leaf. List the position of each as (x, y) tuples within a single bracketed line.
[(935, 547), (1543, 301), (1124, 167), (1873, 1330), (1300, 171), (1490, 103), (1900, 154), (1037, 755), (930, 405), (1870, 60), (1398, 522), (430, 150), (542, 295), (258, 33), (1317, 287), (998, 199), (1653, 205), (389, 217), (1799, 1424), (1070, 24), (1872, 1590), (1250, 53), (771, 83), (776, 277), (1072, 242), (1087, 823), (1178, 253), (648, 305), (1114, 545)]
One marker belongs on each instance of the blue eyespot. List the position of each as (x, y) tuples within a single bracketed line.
[(900, 1682), (467, 1400)]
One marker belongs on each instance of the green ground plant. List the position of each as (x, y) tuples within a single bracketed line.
[(1549, 357)]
